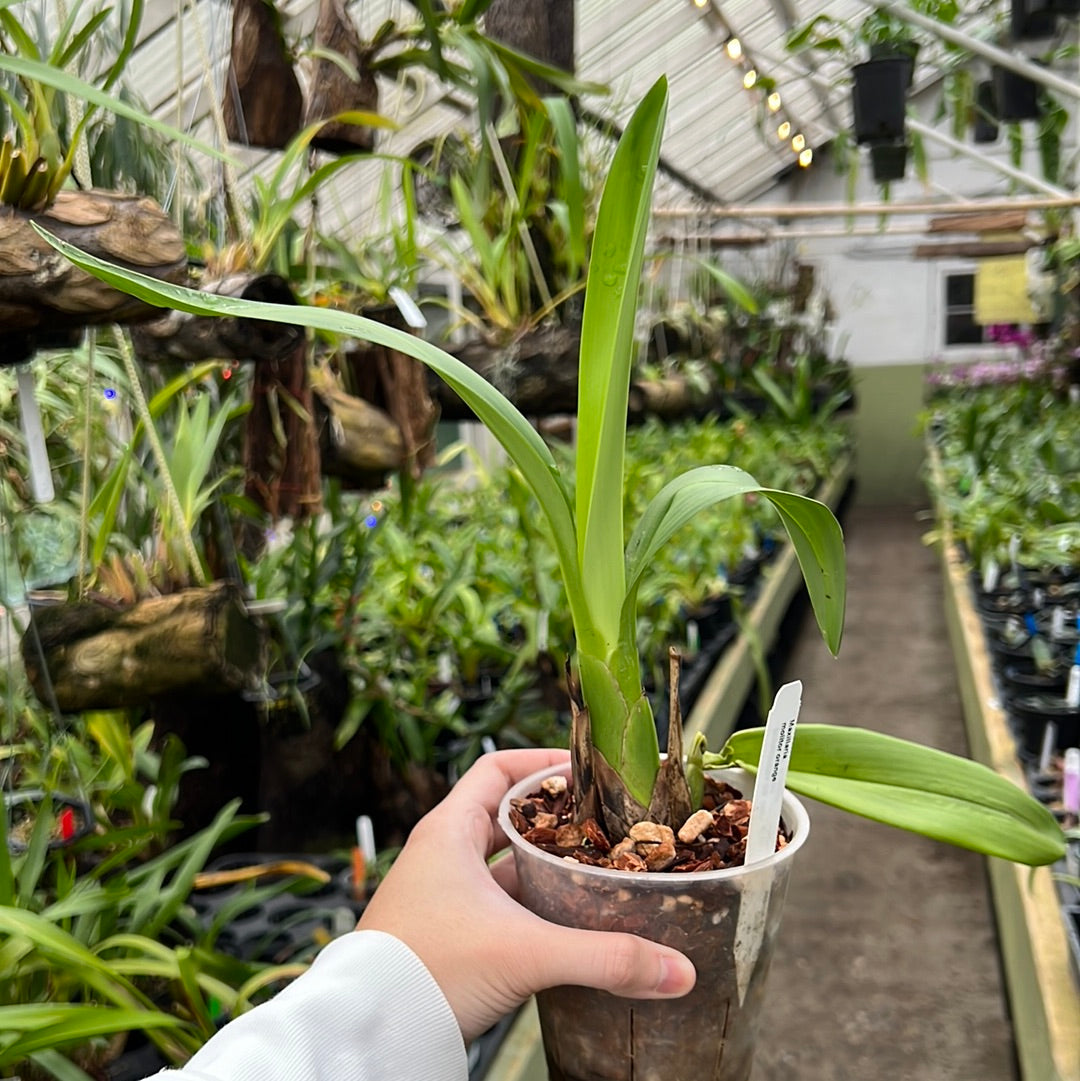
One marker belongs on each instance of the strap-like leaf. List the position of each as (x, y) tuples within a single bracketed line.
[(517, 436), (45, 1025), (607, 342), (915, 788), (36, 71), (813, 529)]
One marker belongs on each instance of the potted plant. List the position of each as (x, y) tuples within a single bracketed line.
[(888, 161), (619, 776)]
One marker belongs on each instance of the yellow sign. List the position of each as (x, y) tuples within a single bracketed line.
[(1001, 291)]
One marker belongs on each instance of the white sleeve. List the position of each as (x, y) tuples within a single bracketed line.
[(366, 1010)]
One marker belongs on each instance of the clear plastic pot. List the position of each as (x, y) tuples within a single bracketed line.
[(709, 1034)]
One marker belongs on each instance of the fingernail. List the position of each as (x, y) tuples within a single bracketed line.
[(677, 976)]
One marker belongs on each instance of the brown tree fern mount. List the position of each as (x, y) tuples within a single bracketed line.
[(42, 294)]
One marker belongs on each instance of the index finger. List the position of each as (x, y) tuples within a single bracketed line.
[(494, 774)]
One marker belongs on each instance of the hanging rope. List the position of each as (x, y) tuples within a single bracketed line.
[(84, 499), (217, 114), (158, 452)]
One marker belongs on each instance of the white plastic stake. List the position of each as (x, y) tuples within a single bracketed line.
[(772, 772), (1070, 789), (41, 483), (1072, 692), (1046, 752), (365, 839), (408, 307), (764, 822)]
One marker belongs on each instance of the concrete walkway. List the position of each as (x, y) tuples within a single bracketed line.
[(887, 966)]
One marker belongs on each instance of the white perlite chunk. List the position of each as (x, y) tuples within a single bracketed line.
[(554, 786), (651, 833), (695, 826)]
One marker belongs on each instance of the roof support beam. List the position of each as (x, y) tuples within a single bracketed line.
[(1003, 167), (844, 210)]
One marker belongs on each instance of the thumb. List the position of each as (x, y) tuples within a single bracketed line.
[(622, 964)]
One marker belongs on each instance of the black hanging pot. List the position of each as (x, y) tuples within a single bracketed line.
[(1017, 96), (986, 126), (1032, 19), (898, 49), (888, 161), (878, 92)]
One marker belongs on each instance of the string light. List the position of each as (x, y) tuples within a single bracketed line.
[(751, 79), (110, 393), (701, 3)]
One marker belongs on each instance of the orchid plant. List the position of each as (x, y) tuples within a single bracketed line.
[(620, 775)]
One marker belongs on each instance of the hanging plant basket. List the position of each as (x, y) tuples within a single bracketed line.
[(878, 93), (897, 49), (333, 90), (262, 103), (1017, 96), (72, 818), (985, 128), (1032, 19), (888, 161)]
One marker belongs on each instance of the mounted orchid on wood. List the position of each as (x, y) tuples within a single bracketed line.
[(620, 777)]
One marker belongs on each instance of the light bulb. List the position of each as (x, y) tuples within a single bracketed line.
[(798, 141), (784, 130), (805, 157), (734, 48), (749, 78), (773, 101)]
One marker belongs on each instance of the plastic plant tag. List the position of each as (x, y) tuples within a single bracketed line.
[(991, 574), (1046, 753), (1070, 793), (1072, 692), (41, 484), (410, 312), (1057, 622), (764, 822)]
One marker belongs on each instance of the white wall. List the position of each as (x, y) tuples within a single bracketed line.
[(888, 302)]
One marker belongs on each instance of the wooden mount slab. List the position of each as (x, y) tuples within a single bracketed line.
[(91, 655), (42, 293)]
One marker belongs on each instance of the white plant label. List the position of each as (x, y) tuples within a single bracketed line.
[(1057, 622), (991, 573), (41, 483), (1072, 694), (764, 822), (408, 307)]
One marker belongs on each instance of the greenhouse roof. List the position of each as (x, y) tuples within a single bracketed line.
[(721, 144)]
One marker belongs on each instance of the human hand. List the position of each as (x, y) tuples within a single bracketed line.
[(458, 914)]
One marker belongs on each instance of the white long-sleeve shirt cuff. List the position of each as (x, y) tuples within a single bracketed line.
[(366, 1010)]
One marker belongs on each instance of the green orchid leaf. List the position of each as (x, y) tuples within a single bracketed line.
[(607, 346), (912, 787), (736, 291), (818, 541), (518, 437), (571, 187), (36, 71), (813, 529), (44, 1025)]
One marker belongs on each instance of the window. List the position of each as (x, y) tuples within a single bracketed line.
[(960, 325)]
